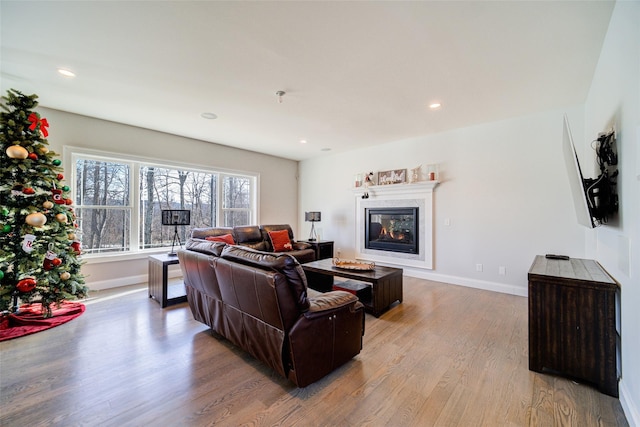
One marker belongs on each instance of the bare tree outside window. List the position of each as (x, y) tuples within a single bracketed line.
[(173, 189), (236, 197)]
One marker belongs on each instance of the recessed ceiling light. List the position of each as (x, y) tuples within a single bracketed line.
[(303, 141), (66, 73), (435, 106), (208, 116)]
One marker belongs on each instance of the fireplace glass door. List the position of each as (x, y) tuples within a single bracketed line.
[(392, 229)]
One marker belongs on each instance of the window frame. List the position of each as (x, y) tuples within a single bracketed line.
[(71, 154)]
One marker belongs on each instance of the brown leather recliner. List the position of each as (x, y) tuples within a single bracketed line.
[(260, 302), (257, 237)]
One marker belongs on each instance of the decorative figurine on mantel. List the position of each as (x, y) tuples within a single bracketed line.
[(368, 181), (416, 174)]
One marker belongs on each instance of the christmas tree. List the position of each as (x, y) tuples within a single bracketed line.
[(39, 249)]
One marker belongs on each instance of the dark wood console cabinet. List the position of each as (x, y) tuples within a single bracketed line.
[(572, 321)]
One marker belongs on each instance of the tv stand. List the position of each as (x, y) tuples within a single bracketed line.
[(572, 321)]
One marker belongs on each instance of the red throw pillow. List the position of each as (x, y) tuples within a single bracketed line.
[(280, 241), (226, 238)]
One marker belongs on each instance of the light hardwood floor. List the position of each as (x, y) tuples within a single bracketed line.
[(446, 356)]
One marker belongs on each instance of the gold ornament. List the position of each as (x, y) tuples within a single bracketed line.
[(47, 205), (36, 219), (65, 275), (61, 218), (43, 150), (17, 152)]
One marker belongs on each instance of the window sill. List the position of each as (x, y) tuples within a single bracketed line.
[(119, 257)]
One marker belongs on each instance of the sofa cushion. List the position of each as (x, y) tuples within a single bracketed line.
[(203, 233), (280, 241), (249, 236), (205, 246), (226, 238), (257, 237), (282, 263)]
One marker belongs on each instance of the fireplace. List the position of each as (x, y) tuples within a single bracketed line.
[(392, 229), (418, 198)]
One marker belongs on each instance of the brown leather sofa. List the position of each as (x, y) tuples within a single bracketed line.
[(260, 302), (257, 237)]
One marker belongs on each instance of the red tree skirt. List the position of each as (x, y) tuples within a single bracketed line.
[(29, 319)]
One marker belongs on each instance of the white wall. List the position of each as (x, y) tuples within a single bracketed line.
[(504, 189), (506, 192), (278, 177), (614, 100)]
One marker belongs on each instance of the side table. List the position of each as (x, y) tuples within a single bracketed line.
[(323, 248), (158, 280)]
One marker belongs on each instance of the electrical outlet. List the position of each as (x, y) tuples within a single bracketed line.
[(502, 271), (338, 250), (479, 267)]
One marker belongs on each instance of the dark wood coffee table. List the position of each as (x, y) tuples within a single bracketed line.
[(386, 282)]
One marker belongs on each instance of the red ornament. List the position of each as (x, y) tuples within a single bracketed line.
[(28, 190), (68, 201), (76, 247), (26, 285), (60, 177), (33, 156)]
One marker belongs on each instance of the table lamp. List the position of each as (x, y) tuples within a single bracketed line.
[(176, 217), (312, 217)]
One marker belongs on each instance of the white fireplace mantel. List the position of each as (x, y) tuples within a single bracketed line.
[(398, 195), (383, 190)]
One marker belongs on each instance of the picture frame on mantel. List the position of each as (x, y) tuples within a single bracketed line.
[(396, 176)]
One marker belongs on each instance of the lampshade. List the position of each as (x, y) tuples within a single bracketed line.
[(176, 217), (312, 216)]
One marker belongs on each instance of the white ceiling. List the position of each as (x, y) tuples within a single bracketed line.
[(355, 73)]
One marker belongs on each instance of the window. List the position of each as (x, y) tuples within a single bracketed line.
[(119, 201), (103, 205), (236, 200)]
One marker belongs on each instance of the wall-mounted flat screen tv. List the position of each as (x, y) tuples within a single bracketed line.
[(576, 179)]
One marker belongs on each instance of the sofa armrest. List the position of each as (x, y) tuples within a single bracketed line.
[(298, 246), (321, 305), (325, 337)]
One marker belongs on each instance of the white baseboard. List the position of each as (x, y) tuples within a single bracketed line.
[(465, 281), (116, 283), (630, 408), (125, 281), (408, 271)]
